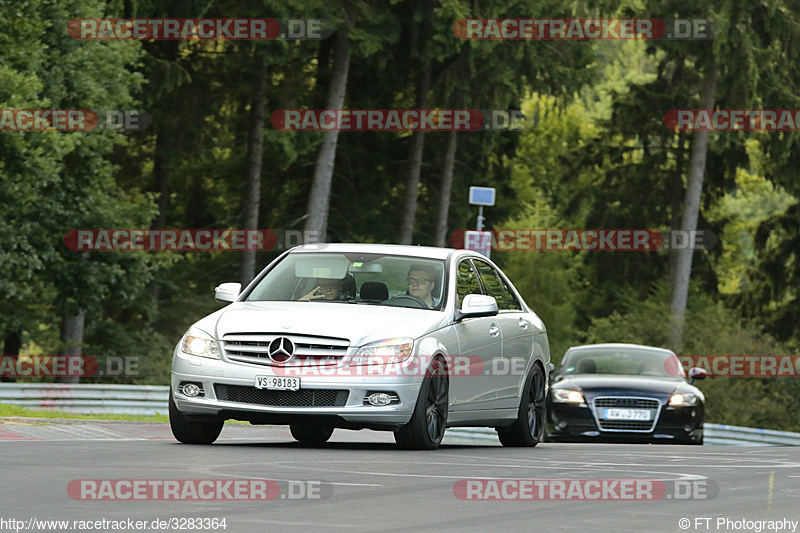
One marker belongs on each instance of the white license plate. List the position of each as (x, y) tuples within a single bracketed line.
[(277, 383), (627, 414)]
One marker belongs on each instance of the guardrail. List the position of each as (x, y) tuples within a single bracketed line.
[(722, 435), (713, 435), (88, 399), (152, 399)]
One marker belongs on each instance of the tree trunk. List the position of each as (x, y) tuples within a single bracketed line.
[(694, 190), (72, 339), (320, 197), (255, 151), (162, 178), (12, 343), (161, 174), (675, 205), (414, 167), (445, 188)]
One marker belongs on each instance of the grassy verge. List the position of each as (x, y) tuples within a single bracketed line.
[(15, 410)]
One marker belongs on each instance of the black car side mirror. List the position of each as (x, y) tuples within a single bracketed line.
[(696, 373)]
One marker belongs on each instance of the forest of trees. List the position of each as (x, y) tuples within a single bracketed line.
[(599, 156)]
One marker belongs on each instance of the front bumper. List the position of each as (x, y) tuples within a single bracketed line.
[(353, 413), (577, 423)]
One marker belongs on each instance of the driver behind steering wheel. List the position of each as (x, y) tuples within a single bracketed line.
[(421, 282)]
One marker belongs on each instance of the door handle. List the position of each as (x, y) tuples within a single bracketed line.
[(494, 331), (523, 323)]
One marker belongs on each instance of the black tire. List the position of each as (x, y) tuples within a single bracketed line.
[(426, 428), (189, 431), (528, 429), (311, 435)]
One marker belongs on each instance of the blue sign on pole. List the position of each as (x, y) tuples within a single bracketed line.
[(481, 195)]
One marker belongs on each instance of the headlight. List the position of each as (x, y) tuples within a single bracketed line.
[(567, 396), (384, 352), (199, 343), (683, 400)]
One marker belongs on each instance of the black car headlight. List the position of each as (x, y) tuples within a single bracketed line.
[(685, 399), (568, 396)]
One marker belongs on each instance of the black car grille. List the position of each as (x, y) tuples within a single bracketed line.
[(627, 403), (627, 425), (636, 403), (280, 398)]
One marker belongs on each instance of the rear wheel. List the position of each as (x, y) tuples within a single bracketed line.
[(311, 435), (425, 430), (190, 431), (528, 429)]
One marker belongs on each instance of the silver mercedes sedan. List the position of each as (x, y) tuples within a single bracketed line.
[(406, 339)]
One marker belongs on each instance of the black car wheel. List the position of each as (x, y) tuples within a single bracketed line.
[(528, 429), (191, 431), (426, 428)]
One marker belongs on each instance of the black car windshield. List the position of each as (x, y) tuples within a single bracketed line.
[(369, 279), (626, 361)]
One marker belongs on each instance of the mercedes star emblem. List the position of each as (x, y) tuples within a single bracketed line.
[(281, 349)]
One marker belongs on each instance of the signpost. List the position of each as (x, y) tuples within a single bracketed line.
[(480, 241)]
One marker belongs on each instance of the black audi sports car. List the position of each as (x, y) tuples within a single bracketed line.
[(624, 393)]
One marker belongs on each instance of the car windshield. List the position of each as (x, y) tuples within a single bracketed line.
[(627, 361), (368, 279)]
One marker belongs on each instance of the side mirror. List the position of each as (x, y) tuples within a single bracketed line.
[(227, 292), (550, 369), (696, 373), (475, 305)]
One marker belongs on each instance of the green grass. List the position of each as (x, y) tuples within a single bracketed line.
[(15, 410)]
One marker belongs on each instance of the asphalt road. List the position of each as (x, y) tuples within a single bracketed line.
[(359, 481)]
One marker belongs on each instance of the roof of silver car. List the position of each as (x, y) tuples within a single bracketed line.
[(427, 252)]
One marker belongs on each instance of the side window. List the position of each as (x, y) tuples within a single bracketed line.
[(492, 284), (466, 282), (511, 301)]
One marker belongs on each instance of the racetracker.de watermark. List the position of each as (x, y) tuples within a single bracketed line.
[(733, 119), (73, 120), (197, 489), (181, 29), (745, 366), (581, 29), (401, 120), (598, 240), (187, 240), (584, 489), (382, 365), (21, 366)]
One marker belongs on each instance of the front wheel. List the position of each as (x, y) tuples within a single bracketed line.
[(528, 429), (425, 430), (189, 431)]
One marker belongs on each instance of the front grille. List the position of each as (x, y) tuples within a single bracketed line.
[(635, 403), (254, 348), (626, 425), (280, 398), (642, 426)]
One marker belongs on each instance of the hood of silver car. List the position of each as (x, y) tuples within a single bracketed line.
[(360, 324)]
